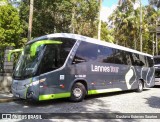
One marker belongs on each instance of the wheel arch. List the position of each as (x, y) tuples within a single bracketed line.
[(141, 79), (83, 81)]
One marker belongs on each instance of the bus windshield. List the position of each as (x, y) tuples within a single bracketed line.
[(27, 64), (42, 56)]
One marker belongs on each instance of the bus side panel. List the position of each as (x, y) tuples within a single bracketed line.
[(126, 78), (95, 79), (108, 76), (56, 85), (105, 75), (149, 77)]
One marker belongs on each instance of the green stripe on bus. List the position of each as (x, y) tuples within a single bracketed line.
[(25, 94), (13, 51), (35, 45), (103, 91), (54, 96)]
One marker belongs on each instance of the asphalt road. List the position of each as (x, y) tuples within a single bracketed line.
[(147, 101)]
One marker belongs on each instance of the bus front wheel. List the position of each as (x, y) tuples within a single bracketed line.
[(78, 92), (140, 86)]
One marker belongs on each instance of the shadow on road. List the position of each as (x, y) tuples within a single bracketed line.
[(31, 103), (64, 109), (156, 86), (153, 102), (93, 107), (112, 94), (66, 100), (146, 89)]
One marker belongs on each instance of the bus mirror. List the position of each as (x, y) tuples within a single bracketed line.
[(35, 45), (13, 51)]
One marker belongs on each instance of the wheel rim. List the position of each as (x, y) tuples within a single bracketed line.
[(77, 92)]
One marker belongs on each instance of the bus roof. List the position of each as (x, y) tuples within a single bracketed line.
[(87, 39)]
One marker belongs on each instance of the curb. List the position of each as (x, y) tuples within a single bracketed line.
[(3, 100)]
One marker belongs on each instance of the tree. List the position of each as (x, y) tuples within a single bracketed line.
[(153, 2), (125, 22), (10, 26), (106, 33), (78, 16), (86, 17), (150, 20)]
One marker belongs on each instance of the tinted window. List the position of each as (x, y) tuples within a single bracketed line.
[(135, 59), (50, 59), (111, 55), (157, 60), (150, 61), (64, 49), (142, 60), (118, 55), (92, 52), (105, 54), (55, 55), (85, 52), (146, 61), (127, 58)]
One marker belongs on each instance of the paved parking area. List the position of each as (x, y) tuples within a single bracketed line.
[(147, 101)]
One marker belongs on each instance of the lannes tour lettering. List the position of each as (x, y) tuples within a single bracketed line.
[(95, 68)]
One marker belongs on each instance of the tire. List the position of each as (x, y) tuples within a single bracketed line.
[(78, 92), (140, 86)]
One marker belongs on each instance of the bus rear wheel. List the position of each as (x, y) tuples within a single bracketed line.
[(140, 86), (78, 92)]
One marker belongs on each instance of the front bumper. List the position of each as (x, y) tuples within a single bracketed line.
[(26, 93), (21, 89), (22, 93)]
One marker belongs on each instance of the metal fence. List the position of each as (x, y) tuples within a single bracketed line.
[(6, 69), (2, 60), (5, 65)]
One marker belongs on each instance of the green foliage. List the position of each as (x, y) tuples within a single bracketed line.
[(1, 59), (80, 17), (10, 26), (106, 33), (72, 16), (126, 24), (153, 2)]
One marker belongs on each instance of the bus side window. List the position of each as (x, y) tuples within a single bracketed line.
[(135, 59), (107, 55), (85, 52), (49, 62), (150, 61), (146, 60), (111, 55), (65, 48), (127, 58), (142, 60), (118, 56)]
